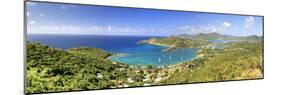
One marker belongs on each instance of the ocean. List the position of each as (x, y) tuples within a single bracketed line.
[(136, 54)]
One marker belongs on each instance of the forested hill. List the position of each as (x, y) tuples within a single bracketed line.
[(186, 40), (197, 40), (174, 41), (55, 70), (218, 36), (52, 69), (205, 36), (243, 60)]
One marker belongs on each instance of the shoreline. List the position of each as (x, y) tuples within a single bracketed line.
[(153, 64), (168, 48)]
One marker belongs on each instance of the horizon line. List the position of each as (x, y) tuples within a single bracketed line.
[(142, 35), (95, 34)]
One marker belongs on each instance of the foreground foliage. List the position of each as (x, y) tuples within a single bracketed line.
[(239, 61), (53, 70)]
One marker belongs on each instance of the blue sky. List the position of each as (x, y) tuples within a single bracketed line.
[(54, 18)]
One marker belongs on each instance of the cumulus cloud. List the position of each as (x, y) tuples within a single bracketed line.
[(63, 29), (108, 29), (249, 22), (32, 22), (205, 28), (185, 27), (27, 13), (226, 24)]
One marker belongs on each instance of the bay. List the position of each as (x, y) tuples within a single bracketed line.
[(135, 54)]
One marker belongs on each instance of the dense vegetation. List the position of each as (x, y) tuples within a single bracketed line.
[(53, 69), (176, 42), (239, 61), (206, 36)]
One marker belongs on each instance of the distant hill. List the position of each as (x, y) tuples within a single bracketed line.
[(205, 36), (215, 36), (196, 40), (252, 38), (175, 41)]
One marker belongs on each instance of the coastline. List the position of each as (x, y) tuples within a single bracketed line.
[(153, 64)]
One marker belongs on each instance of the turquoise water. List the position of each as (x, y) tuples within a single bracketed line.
[(150, 54), (138, 54)]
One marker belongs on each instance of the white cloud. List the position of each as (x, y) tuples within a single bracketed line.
[(249, 22), (185, 27), (70, 29), (226, 24), (31, 22), (104, 30), (51, 29), (27, 13), (109, 28), (96, 28), (205, 28)]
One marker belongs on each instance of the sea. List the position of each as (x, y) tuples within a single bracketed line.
[(133, 52)]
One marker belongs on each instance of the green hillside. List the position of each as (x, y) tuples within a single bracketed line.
[(176, 42), (51, 69), (239, 61)]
